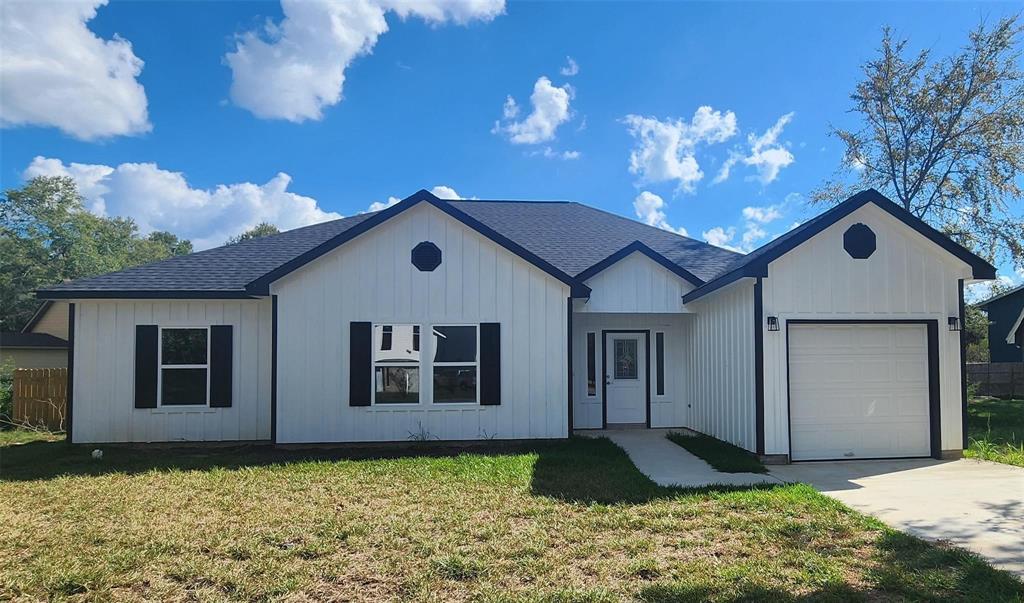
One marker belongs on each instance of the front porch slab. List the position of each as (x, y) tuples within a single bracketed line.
[(668, 464)]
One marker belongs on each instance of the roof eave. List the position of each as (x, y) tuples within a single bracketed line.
[(634, 247), (51, 294), (981, 269)]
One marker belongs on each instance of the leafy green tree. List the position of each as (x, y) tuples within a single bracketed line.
[(262, 229), (47, 237), (944, 138)]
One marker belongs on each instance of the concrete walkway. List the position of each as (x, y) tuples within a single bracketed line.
[(978, 505), (669, 464)]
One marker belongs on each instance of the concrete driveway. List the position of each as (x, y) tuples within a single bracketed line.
[(974, 504)]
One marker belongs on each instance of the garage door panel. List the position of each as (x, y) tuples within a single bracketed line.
[(858, 391)]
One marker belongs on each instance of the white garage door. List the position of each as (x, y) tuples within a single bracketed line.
[(858, 391)]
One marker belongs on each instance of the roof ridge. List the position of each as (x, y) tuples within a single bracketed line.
[(537, 201)]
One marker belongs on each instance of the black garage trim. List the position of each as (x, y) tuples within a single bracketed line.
[(261, 286), (71, 373), (963, 363), (756, 263), (934, 396), (273, 369), (637, 246), (568, 350), (759, 365), (604, 372)]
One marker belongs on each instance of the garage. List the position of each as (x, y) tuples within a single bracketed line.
[(860, 390)]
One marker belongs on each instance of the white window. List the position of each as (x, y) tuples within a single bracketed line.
[(396, 364), (455, 364), (184, 366)]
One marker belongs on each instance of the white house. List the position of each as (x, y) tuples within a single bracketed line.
[(839, 339)]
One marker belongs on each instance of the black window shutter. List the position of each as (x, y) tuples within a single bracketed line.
[(220, 366), (359, 364), (147, 338), (490, 363)]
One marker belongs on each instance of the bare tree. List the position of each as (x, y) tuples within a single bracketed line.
[(944, 138)]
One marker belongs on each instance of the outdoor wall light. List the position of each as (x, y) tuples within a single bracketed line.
[(954, 323), (773, 323)]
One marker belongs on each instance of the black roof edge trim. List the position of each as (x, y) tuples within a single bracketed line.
[(998, 296), (759, 266), (716, 284), (261, 286), (40, 311), (141, 294), (638, 246)]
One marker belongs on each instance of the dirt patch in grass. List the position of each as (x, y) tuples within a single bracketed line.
[(721, 455), (995, 429), (565, 521)]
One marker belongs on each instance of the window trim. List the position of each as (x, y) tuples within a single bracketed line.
[(384, 363), (659, 364), (475, 363), (591, 362), (160, 366)]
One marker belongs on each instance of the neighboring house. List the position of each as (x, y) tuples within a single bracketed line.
[(839, 339), (1005, 325), (42, 343)]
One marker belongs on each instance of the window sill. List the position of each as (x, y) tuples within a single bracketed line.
[(170, 410)]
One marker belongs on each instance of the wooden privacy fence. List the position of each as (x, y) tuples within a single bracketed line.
[(41, 397), (999, 379)]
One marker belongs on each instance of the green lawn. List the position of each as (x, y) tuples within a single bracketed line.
[(995, 429), (564, 521), (721, 455)]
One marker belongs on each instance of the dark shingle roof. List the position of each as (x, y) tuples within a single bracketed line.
[(570, 236), (574, 237), (31, 340)]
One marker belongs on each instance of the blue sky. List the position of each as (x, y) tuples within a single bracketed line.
[(191, 131)]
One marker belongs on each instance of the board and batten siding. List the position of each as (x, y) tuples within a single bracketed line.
[(636, 283), (371, 278), (908, 277), (668, 410), (104, 394), (721, 364)]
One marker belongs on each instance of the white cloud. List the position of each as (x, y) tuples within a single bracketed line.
[(445, 192), (441, 191), (650, 208), (56, 72), (550, 110), (765, 154), (755, 221), (721, 237), (571, 67), (549, 153), (159, 199), (295, 69), (762, 215), (379, 205), (666, 150)]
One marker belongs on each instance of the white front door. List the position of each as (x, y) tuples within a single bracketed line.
[(858, 391), (626, 378)]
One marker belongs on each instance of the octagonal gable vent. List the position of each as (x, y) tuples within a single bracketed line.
[(859, 241), (426, 256)]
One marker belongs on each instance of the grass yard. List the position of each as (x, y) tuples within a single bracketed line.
[(995, 429), (721, 455), (563, 521)]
